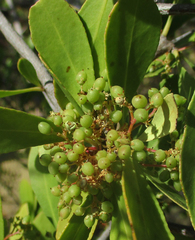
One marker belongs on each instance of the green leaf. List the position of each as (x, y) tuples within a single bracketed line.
[(41, 182), (140, 201), (167, 190), (28, 72), (8, 93), (61, 40), (1, 222), (187, 160), (19, 130), (131, 40), (27, 196), (60, 96), (94, 15), (44, 226), (164, 120), (120, 228)]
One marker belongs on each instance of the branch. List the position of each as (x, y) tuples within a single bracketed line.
[(22, 48), (175, 9)]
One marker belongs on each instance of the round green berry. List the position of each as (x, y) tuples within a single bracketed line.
[(93, 95), (87, 108), (174, 175), (141, 115), (88, 132), (117, 91), (124, 152), (116, 116), (107, 207), (82, 99), (112, 135), (54, 150), (88, 169), (159, 155), (139, 101), (44, 128), (89, 221), (137, 145), (69, 106), (104, 216), (101, 154), (97, 106), (177, 185), (60, 177), (74, 191), (164, 175), (66, 197), (171, 162), (174, 135), (103, 163), (45, 159), (77, 200), (152, 91), (57, 120), (53, 168), (56, 191), (81, 77), (72, 178), (60, 157), (65, 212), (72, 156), (86, 121), (139, 156), (79, 211), (156, 100), (111, 156), (79, 135), (164, 91), (109, 177), (99, 84), (178, 144), (78, 148), (63, 168)]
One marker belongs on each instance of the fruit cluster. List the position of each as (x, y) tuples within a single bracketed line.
[(96, 146)]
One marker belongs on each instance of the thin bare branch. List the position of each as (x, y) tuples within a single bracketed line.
[(22, 48), (175, 9)]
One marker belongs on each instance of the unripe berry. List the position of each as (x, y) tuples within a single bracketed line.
[(141, 115), (124, 152), (137, 145), (103, 163), (112, 135), (116, 116), (99, 84), (45, 159), (107, 207), (89, 221), (81, 77), (156, 100), (88, 169), (86, 121), (117, 91), (44, 128), (65, 212), (74, 191), (139, 101), (93, 95)]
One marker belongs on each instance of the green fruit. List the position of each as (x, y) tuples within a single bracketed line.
[(44, 128), (79, 211), (57, 120), (180, 100), (81, 77), (109, 177), (141, 115), (124, 152), (86, 121), (139, 101), (164, 175), (93, 95), (164, 91), (117, 91), (103, 163), (65, 212), (116, 116), (82, 99), (88, 132), (171, 162), (72, 156), (97, 106), (26, 220), (156, 100), (69, 112), (177, 185), (99, 84), (107, 207), (60, 177), (53, 168), (66, 197), (69, 106), (112, 135), (72, 178), (104, 216), (174, 135), (74, 191), (88, 169), (174, 175), (63, 168), (45, 159), (78, 148), (111, 156), (56, 191), (79, 135), (92, 190), (139, 156), (89, 221), (77, 200), (54, 150), (159, 155), (101, 154), (137, 145), (60, 157), (152, 91)]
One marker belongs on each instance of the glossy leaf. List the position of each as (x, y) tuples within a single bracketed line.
[(132, 38), (60, 96), (1, 222), (187, 160), (44, 226), (94, 15), (168, 191), (163, 122), (19, 130), (62, 43), (7, 93), (27, 196), (41, 182), (139, 200), (27, 70), (120, 228)]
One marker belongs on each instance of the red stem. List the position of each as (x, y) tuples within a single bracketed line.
[(12, 234)]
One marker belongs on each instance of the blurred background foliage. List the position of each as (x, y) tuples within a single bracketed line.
[(13, 166)]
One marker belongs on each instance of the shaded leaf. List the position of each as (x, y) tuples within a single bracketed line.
[(132, 38), (1, 222), (8, 93), (140, 200), (120, 228), (60, 96), (164, 120), (27, 70), (61, 43), (187, 160), (19, 130), (41, 182), (94, 15)]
